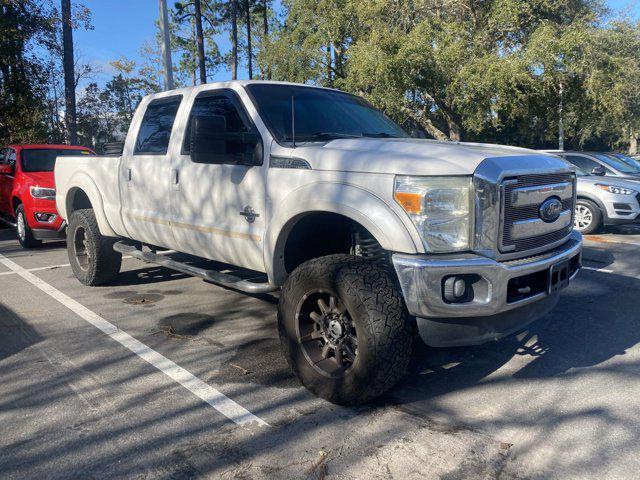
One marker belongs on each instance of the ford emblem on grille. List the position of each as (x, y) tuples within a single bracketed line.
[(550, 210)]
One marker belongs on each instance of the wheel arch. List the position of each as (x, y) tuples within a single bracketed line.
[(353, 204), (15, 201), (83, 193), (599, 204)]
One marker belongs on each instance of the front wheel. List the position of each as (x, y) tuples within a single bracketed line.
[(344, 328), (588, 217), (91, 255), (25, 235)]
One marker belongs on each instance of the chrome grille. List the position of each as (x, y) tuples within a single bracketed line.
[(528, 214)]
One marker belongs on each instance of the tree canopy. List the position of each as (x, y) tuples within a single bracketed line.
[(495, 70), (517, 72)]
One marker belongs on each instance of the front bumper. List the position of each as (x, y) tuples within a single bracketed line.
[(621, 209), (50, 233), (503, 296)]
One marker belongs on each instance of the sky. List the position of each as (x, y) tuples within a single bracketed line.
[(121, 27)]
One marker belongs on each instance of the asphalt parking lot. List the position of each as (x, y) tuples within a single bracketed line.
[(160, 375)]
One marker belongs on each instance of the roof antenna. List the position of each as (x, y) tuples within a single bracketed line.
[(293, 121)]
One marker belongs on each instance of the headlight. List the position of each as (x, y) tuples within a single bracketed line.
[(440, 208), (43, 193), (615, 189)]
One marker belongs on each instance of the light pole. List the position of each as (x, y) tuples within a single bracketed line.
[(166, 46), (560, 121)]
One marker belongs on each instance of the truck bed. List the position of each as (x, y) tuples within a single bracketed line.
[(97, 175)]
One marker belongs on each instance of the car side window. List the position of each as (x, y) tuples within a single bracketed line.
[(157, 123), (583, 163), (3, 156), (223, 104)]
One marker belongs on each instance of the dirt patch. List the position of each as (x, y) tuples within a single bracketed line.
[(143, 299)]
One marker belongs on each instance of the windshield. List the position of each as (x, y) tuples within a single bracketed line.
[(627, 159), (618, 164), (320, 114), (44, 159)]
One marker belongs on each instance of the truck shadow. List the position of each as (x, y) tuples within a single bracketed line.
[(145, 276), (593, 323), (15, 334)]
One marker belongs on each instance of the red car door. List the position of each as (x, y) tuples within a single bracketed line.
[(7, 169)]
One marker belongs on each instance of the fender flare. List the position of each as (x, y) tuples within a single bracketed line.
[(362, 206), (83, 182), (603, 209)]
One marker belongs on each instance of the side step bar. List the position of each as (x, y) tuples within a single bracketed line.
[(213, 276)]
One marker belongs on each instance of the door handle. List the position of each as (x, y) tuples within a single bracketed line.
[(128, 174), (174, 176)]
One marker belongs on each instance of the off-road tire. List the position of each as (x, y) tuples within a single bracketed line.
[(25, 235), (102, 263), (596, 223), (378, 313)]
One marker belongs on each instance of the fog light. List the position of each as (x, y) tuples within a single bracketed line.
[(454, 289), (45, 217)]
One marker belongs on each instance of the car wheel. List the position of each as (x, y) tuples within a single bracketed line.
[(91, 255), (25, 235), (588, 217), (344, 328)]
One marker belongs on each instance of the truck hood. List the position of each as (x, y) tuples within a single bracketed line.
[(40, 179), (405, 156)]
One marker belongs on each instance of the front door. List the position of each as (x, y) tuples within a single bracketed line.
[(145, 174), (218, 209)]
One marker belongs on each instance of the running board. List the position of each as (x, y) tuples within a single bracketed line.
[(8, 222), (213, 276)]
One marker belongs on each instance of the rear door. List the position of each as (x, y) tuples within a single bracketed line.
[(219, 209), (7, 157), (145, 173)]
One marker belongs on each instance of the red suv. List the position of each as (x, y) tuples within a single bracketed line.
[(27, 190)]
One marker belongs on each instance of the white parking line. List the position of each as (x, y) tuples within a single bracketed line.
[(49, 267), (37, 269), (206, 392)]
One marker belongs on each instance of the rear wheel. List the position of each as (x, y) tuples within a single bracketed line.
[(344, 328), (25, 235), (588, 217), (91, 255)]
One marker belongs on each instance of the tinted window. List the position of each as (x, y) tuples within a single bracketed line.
[(155, 129), (617, 164), (320, 114), (43, 160), (218, 104), (583, 163)]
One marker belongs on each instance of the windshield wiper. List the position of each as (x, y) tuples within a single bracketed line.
[(327, 136), (379, 135)]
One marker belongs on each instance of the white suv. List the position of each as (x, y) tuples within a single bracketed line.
[(602, 200)]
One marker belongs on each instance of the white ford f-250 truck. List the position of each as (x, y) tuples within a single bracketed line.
[(369, 235)]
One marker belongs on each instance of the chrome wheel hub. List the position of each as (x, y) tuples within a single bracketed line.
[(583, 217), (22, 229), (334, 330)]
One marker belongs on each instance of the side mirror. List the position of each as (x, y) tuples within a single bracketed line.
[(212, 143), (6, 169), (599, 170)]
